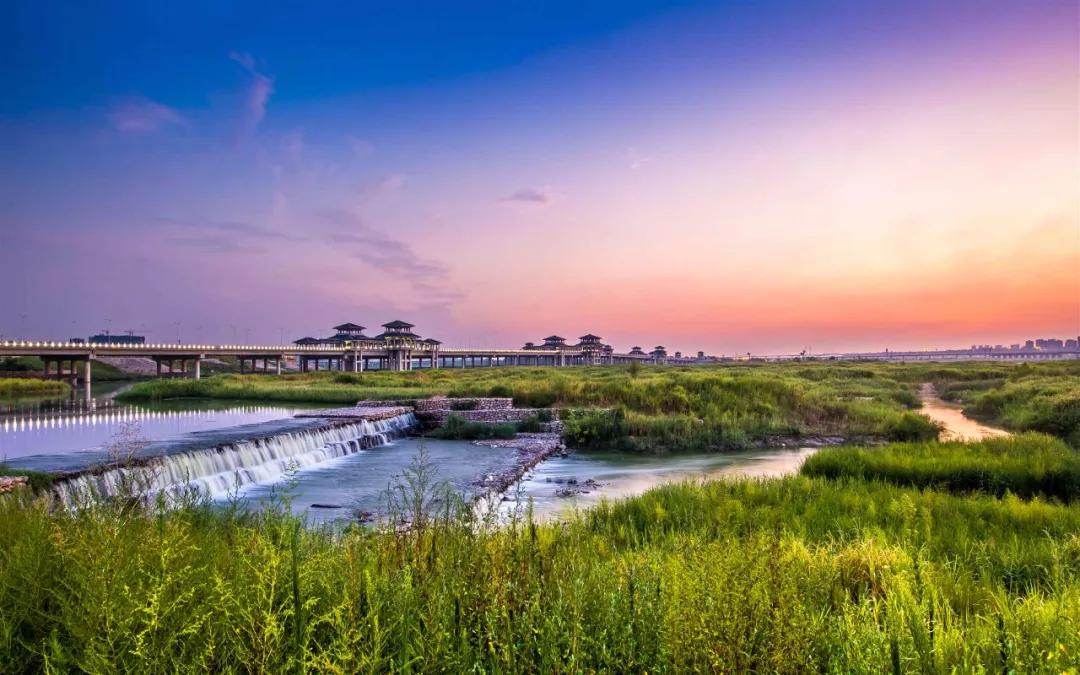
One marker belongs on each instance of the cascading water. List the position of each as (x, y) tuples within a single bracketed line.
[(223, 470)]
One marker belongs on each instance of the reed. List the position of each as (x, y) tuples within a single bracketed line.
[(793, 575)]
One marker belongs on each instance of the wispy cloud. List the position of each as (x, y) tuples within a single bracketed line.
[(383, 252), (225, 236), (138, 114), (259, 92), (531, 196)]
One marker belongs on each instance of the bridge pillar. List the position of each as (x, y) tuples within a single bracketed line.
[(197, 372)]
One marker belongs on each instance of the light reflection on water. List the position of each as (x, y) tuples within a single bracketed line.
[(958, 427)]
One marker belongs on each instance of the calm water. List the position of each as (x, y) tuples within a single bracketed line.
[(73, 433), (957, 426)]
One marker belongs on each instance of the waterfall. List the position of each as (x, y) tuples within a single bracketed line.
[(219, 471)]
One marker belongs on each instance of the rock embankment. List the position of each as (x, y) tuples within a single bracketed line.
[(532, 448)]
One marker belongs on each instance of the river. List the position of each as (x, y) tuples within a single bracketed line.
[(335, 474)]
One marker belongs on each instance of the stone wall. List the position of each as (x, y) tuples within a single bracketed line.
[(495, 416), (440, 403)]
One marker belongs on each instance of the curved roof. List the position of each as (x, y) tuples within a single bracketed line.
[(554, 338), (350, 327), (590, 337), (397, 334), (398, 324), (432, 341)]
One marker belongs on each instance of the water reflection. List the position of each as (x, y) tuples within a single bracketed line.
[(958, 427), (35, 432)]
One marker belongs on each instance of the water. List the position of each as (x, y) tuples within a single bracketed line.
[(957, 426), (73, 433), (625, 475), (229, 469), (337, 490)]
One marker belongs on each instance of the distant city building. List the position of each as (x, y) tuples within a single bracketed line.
[(107, 339), (1072, 344)]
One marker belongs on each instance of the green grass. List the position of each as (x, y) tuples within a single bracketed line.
[(666, 409), (1028, 465), (457, 428), (795, 575), (20, 387)]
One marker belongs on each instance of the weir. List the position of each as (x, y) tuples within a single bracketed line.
[(223, 470)]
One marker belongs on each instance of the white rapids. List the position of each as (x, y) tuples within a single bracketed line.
[(224, 470)]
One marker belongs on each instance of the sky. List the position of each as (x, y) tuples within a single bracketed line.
[(731, 177)]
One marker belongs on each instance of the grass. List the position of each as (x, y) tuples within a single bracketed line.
[(793, 575), (665, 409), (25, 387), (457, 428), (1022, 397), (1028, 465)]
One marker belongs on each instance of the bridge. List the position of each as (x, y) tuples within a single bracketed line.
[(71, 360)]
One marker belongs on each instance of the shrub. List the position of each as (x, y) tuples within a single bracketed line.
[(347, 378), (596, 429), (457, 428)]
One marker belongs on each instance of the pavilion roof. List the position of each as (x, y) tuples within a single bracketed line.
[(432, 341), (397, 334), (306, 341), (554, 338), (349, 327), (398, 324), (590, 338)]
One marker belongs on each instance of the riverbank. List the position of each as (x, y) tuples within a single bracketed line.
[(659, 409)]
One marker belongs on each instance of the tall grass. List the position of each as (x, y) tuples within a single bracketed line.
[(18, 387), (789, 576), (1028, 465)]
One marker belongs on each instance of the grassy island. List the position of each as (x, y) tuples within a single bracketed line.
[(19, 387)]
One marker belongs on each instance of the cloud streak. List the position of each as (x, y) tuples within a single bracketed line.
[(383, 252), (259, 91), (140, 115), (530, 196)]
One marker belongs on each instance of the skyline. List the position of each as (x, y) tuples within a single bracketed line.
[(724, 178)]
